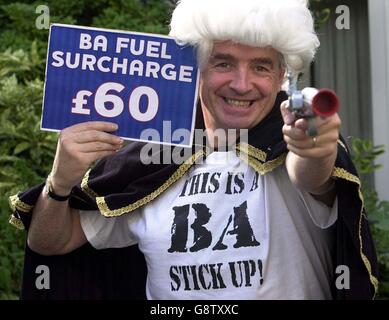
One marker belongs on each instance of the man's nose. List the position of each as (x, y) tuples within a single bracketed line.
[(241, 82)]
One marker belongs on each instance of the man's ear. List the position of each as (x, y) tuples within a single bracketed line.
[(281, 77), (200, 92)]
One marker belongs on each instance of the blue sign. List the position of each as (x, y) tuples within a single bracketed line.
[(145, 83)]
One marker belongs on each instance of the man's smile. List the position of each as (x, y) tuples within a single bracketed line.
[(238, 103)]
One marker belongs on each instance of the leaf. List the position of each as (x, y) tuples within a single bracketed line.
[(6, 185), (383, 225), (23, 146), (11, 159)]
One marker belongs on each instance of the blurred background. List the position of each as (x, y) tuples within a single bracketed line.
[(353, 60)]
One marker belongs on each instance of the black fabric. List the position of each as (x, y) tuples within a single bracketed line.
[(350, 226), (267, 135), (87, 273)]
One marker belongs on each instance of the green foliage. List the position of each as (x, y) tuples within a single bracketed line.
[(26, 153), (321, 11), (152, 16), (11, 257), (364, 155)]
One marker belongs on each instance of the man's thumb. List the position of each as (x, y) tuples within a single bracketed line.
[(287, 116)]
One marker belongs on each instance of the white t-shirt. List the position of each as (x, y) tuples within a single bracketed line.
[(225, 232)]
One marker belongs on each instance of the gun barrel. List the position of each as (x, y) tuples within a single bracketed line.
[(324, 102)]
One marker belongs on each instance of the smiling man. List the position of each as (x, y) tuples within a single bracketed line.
[(273, 218), (239, 85)]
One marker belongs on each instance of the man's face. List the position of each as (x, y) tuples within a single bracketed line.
[(239, 85)]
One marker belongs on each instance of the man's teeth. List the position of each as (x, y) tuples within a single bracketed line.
[(238, 103)]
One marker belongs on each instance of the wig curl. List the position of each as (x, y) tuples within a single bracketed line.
[(285, 25)]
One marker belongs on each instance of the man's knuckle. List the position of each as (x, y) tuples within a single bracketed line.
[(64, 140), (100, 146), (94, 136)]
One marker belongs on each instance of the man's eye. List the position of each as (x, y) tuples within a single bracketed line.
[(261, 69), (223, 65)]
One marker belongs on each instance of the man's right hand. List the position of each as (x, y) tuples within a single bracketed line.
[(78, 147)]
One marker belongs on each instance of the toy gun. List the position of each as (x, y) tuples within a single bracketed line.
[(311, 102)]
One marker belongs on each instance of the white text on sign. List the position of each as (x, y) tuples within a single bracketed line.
[(134, 67), (116, 104)]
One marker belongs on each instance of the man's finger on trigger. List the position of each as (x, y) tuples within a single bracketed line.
[(294, 133), (301, 124), (287, 116)]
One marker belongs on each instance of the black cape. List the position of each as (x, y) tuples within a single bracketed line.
[(121, 183)]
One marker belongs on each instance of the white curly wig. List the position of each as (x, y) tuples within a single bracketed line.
[(285, 25)]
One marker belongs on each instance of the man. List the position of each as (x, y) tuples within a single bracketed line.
[(273, 226)]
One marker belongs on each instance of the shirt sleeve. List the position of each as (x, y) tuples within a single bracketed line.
[(321, 215), (103, 233)]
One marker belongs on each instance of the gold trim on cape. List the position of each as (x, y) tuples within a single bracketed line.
[(344, 174), (257, 158), (17, 223), (343, 145), (252, 151), (85, 187), (105, 211), (263, 168), (16, 203)]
